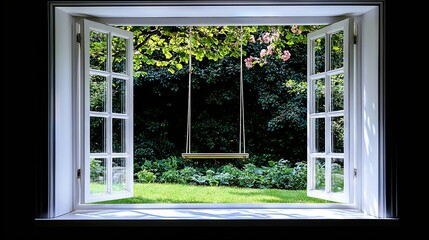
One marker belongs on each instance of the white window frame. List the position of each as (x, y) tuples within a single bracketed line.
[(347, 195), (372, 203), (108, 155)]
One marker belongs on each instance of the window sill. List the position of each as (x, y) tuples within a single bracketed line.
[(214, 214)]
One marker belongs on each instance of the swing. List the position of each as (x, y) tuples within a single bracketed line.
[(242, 140)]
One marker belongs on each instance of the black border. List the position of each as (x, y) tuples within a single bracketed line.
[(45, 135)]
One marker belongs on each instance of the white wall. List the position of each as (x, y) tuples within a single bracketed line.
[(63, 202), (370, 114)]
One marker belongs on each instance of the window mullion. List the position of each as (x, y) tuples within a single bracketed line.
[(310, 122), (109, 111), (328, 118)]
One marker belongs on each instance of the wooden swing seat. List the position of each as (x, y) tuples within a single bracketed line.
[(214, 155)]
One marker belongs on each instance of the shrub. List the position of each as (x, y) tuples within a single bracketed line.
[(233, 173), (97, 171), (145, 176), (172, 176), (298, 176), (278, 174), (187, 173), (224, 178)]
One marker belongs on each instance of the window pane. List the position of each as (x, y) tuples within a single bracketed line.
[(337, 128), (319, 174), (97, 135), (98, 50), (319, 145), (337, 92), (119, 176), (98, 176), (337, 50), (319, 55), (319, 95), (119, 51), (337, 175), (118, 135), (98, 93), (118, 95)]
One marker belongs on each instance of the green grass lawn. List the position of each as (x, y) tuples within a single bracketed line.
[(177, 193)]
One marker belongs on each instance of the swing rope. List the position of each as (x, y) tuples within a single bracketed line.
[(242, 132), (188, 125), (242, 136)]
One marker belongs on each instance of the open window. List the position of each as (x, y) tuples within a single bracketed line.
[(328, 78), (108, 112), (70, 110)]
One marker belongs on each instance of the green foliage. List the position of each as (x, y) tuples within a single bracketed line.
[(337, 178), (298, 176), (145, 176), (277, 174), (97, 171), (275, 112), (171, 176), (275, 94), (320, 175)]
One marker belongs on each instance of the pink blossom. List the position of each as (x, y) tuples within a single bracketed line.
[(252, 39), (286, 55), (295, 29), (263, 52), (249, 62), (270, 49), (276, 36), (266, 37)]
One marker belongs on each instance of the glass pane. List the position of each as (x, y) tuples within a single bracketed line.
[(97, 134), (337, 175), (319, 174), (319, 95), (337, 92), (119, 174), (319, 145), (118, 95), (98, 93), (337, 50), (98, 50), (319, 55), (119, 51), (98, 180), (118, 135), (337, 129)]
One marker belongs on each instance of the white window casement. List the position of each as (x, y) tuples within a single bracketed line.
[(329, 70), (108, 112), (94, 94)]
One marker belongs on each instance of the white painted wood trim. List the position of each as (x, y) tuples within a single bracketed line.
[(326, 32), (108, 114)]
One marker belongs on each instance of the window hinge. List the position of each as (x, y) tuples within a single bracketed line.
[(355, 172), (78, 38), (354, 39), (78, 173)]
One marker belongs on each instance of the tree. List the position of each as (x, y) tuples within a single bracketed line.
[(275, 90), (208, 42)]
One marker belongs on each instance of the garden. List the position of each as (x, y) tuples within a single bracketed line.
[(273, 64)]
